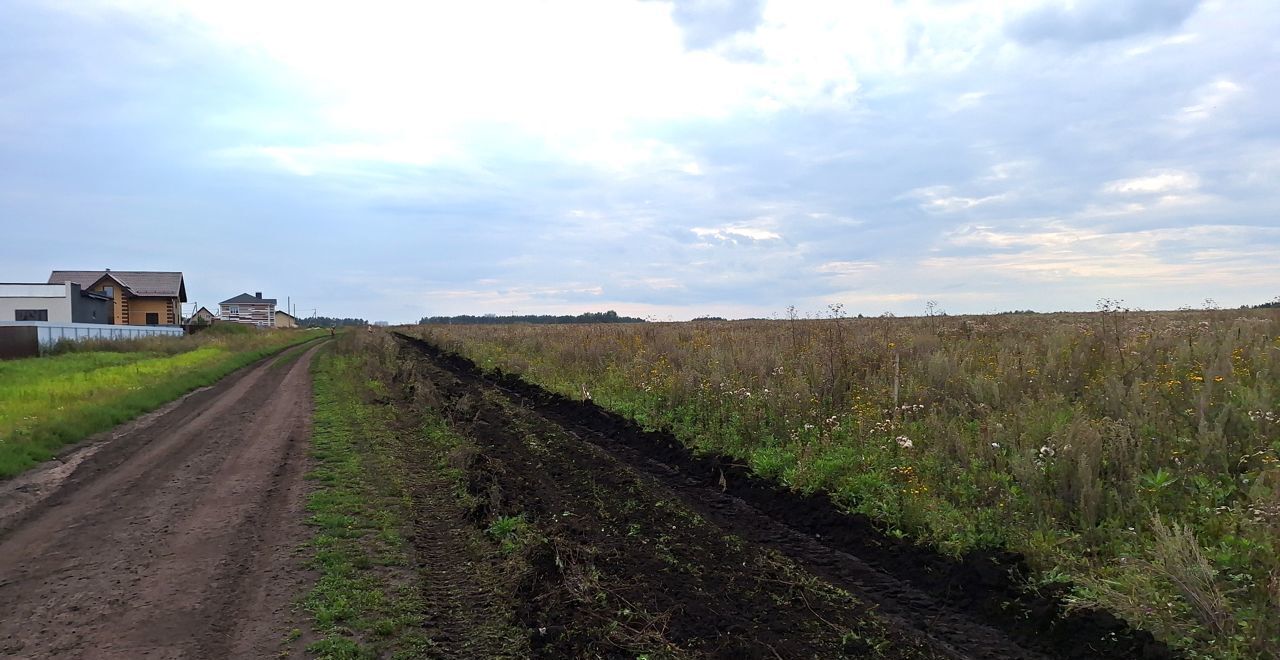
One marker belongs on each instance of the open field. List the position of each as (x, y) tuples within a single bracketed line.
[(47, 402), (465, 515), (449, 511), (1132, 458)]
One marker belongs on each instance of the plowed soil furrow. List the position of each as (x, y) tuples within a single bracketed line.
[(974, 608), (617, 566), (175, 537)]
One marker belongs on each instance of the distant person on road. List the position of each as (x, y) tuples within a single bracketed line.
[(331, 329)]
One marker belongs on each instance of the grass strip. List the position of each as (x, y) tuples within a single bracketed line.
[(47, 403), (365, 603)]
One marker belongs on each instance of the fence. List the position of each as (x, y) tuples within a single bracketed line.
[(20, 341)]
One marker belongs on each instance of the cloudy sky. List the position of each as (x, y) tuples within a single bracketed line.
[(391, 160)]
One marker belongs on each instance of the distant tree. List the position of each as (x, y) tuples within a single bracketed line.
[(493, 319), (1274, 304), (708, 318), (328, 322)]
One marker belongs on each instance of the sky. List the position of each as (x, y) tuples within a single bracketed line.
[(390, 160)]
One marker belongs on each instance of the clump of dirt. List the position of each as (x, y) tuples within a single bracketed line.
[(614, 565), (932, 591)]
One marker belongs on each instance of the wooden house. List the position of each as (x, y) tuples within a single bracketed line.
[(139, 297), (202, 317)]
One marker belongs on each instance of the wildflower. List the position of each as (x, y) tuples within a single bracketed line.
[(1047, 452), (904, 442), (995, 445)]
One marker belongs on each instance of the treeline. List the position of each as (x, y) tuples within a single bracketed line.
[(328, 322), (493, 319), (1274, 304)]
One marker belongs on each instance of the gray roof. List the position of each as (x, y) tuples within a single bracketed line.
[(138, 283), (245, 299)]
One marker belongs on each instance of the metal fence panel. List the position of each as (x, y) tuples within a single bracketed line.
[(51, 333)]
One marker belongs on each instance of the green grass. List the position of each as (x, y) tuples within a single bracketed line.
[(49, 402), (365, 603)]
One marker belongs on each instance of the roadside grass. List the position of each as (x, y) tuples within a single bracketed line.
[(1133, 455), (49, 402), (365, 603)]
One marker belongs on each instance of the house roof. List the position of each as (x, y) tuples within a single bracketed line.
[(159, 284), (205, 310), (281, 311), (245, 299)]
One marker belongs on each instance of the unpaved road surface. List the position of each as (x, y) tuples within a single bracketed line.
[(173, 537)]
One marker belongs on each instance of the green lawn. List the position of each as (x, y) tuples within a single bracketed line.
[(48, 402)]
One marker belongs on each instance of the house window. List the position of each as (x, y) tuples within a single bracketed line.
[(233, 310), (31, 315), (110, 291), (153, 318)]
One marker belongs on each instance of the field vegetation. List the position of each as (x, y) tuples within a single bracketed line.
[(86, 387), (1133, 458)]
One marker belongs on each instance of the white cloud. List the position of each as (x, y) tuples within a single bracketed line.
[(848, 267), (1168, 181), (1154, 44), (730, 233), (1208, 99), (941, 199), (967, 100), (1059, 253)]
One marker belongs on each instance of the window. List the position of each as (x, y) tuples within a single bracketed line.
[(110, 291), (153, 318), (31, 315), (233, 309)]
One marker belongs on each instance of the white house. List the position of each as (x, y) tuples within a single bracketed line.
[(53, 303), (249, 310)]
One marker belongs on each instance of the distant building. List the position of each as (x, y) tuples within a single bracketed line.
[(285, 319), (381, 324), (249, 310), (139, 297), (202, 317), (53, 303)]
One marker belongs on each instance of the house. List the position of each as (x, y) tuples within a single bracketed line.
[(202, 317), (54, 303), (140, 297), (250, 310), (285, 319)]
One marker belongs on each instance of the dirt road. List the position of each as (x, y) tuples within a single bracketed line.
[(173, 536)]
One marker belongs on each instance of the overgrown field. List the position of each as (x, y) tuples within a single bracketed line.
[(1134, 456), (47, 402), (453, 521)]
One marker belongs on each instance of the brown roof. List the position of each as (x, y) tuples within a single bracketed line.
[(139, 283)]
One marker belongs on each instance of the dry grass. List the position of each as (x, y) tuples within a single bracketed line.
[(1061, 436)]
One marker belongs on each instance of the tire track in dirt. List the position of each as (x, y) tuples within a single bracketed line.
[(946, 601), (176, 538)]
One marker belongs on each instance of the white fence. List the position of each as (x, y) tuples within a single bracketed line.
[(51, 333)]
